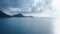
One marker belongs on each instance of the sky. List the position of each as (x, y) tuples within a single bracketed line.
[(56, 5), (31, 7), (25, 6)]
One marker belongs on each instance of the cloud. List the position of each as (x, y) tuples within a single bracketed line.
[(25, 6)]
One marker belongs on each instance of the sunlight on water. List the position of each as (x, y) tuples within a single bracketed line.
[(56, 23)]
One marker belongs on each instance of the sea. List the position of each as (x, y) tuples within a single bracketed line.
[(26, 25)]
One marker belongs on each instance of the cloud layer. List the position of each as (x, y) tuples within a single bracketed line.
[(25, 6)]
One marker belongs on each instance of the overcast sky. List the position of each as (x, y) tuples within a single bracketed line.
[(25, 6)]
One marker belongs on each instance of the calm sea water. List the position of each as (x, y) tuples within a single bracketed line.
[(42, 25)]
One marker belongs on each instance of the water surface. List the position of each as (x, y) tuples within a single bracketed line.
[(27, 25)]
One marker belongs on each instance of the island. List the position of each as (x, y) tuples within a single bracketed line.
[(18, 15), (3, 15)]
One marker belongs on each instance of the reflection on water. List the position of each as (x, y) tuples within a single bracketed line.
[(35, 25)]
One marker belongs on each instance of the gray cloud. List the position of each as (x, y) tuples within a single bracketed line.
[(25, 5)]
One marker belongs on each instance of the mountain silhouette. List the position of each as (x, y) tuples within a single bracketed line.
[(18, 15), (2, 14)]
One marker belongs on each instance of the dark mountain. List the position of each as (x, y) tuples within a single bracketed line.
[(18, 15), (2, 14)]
